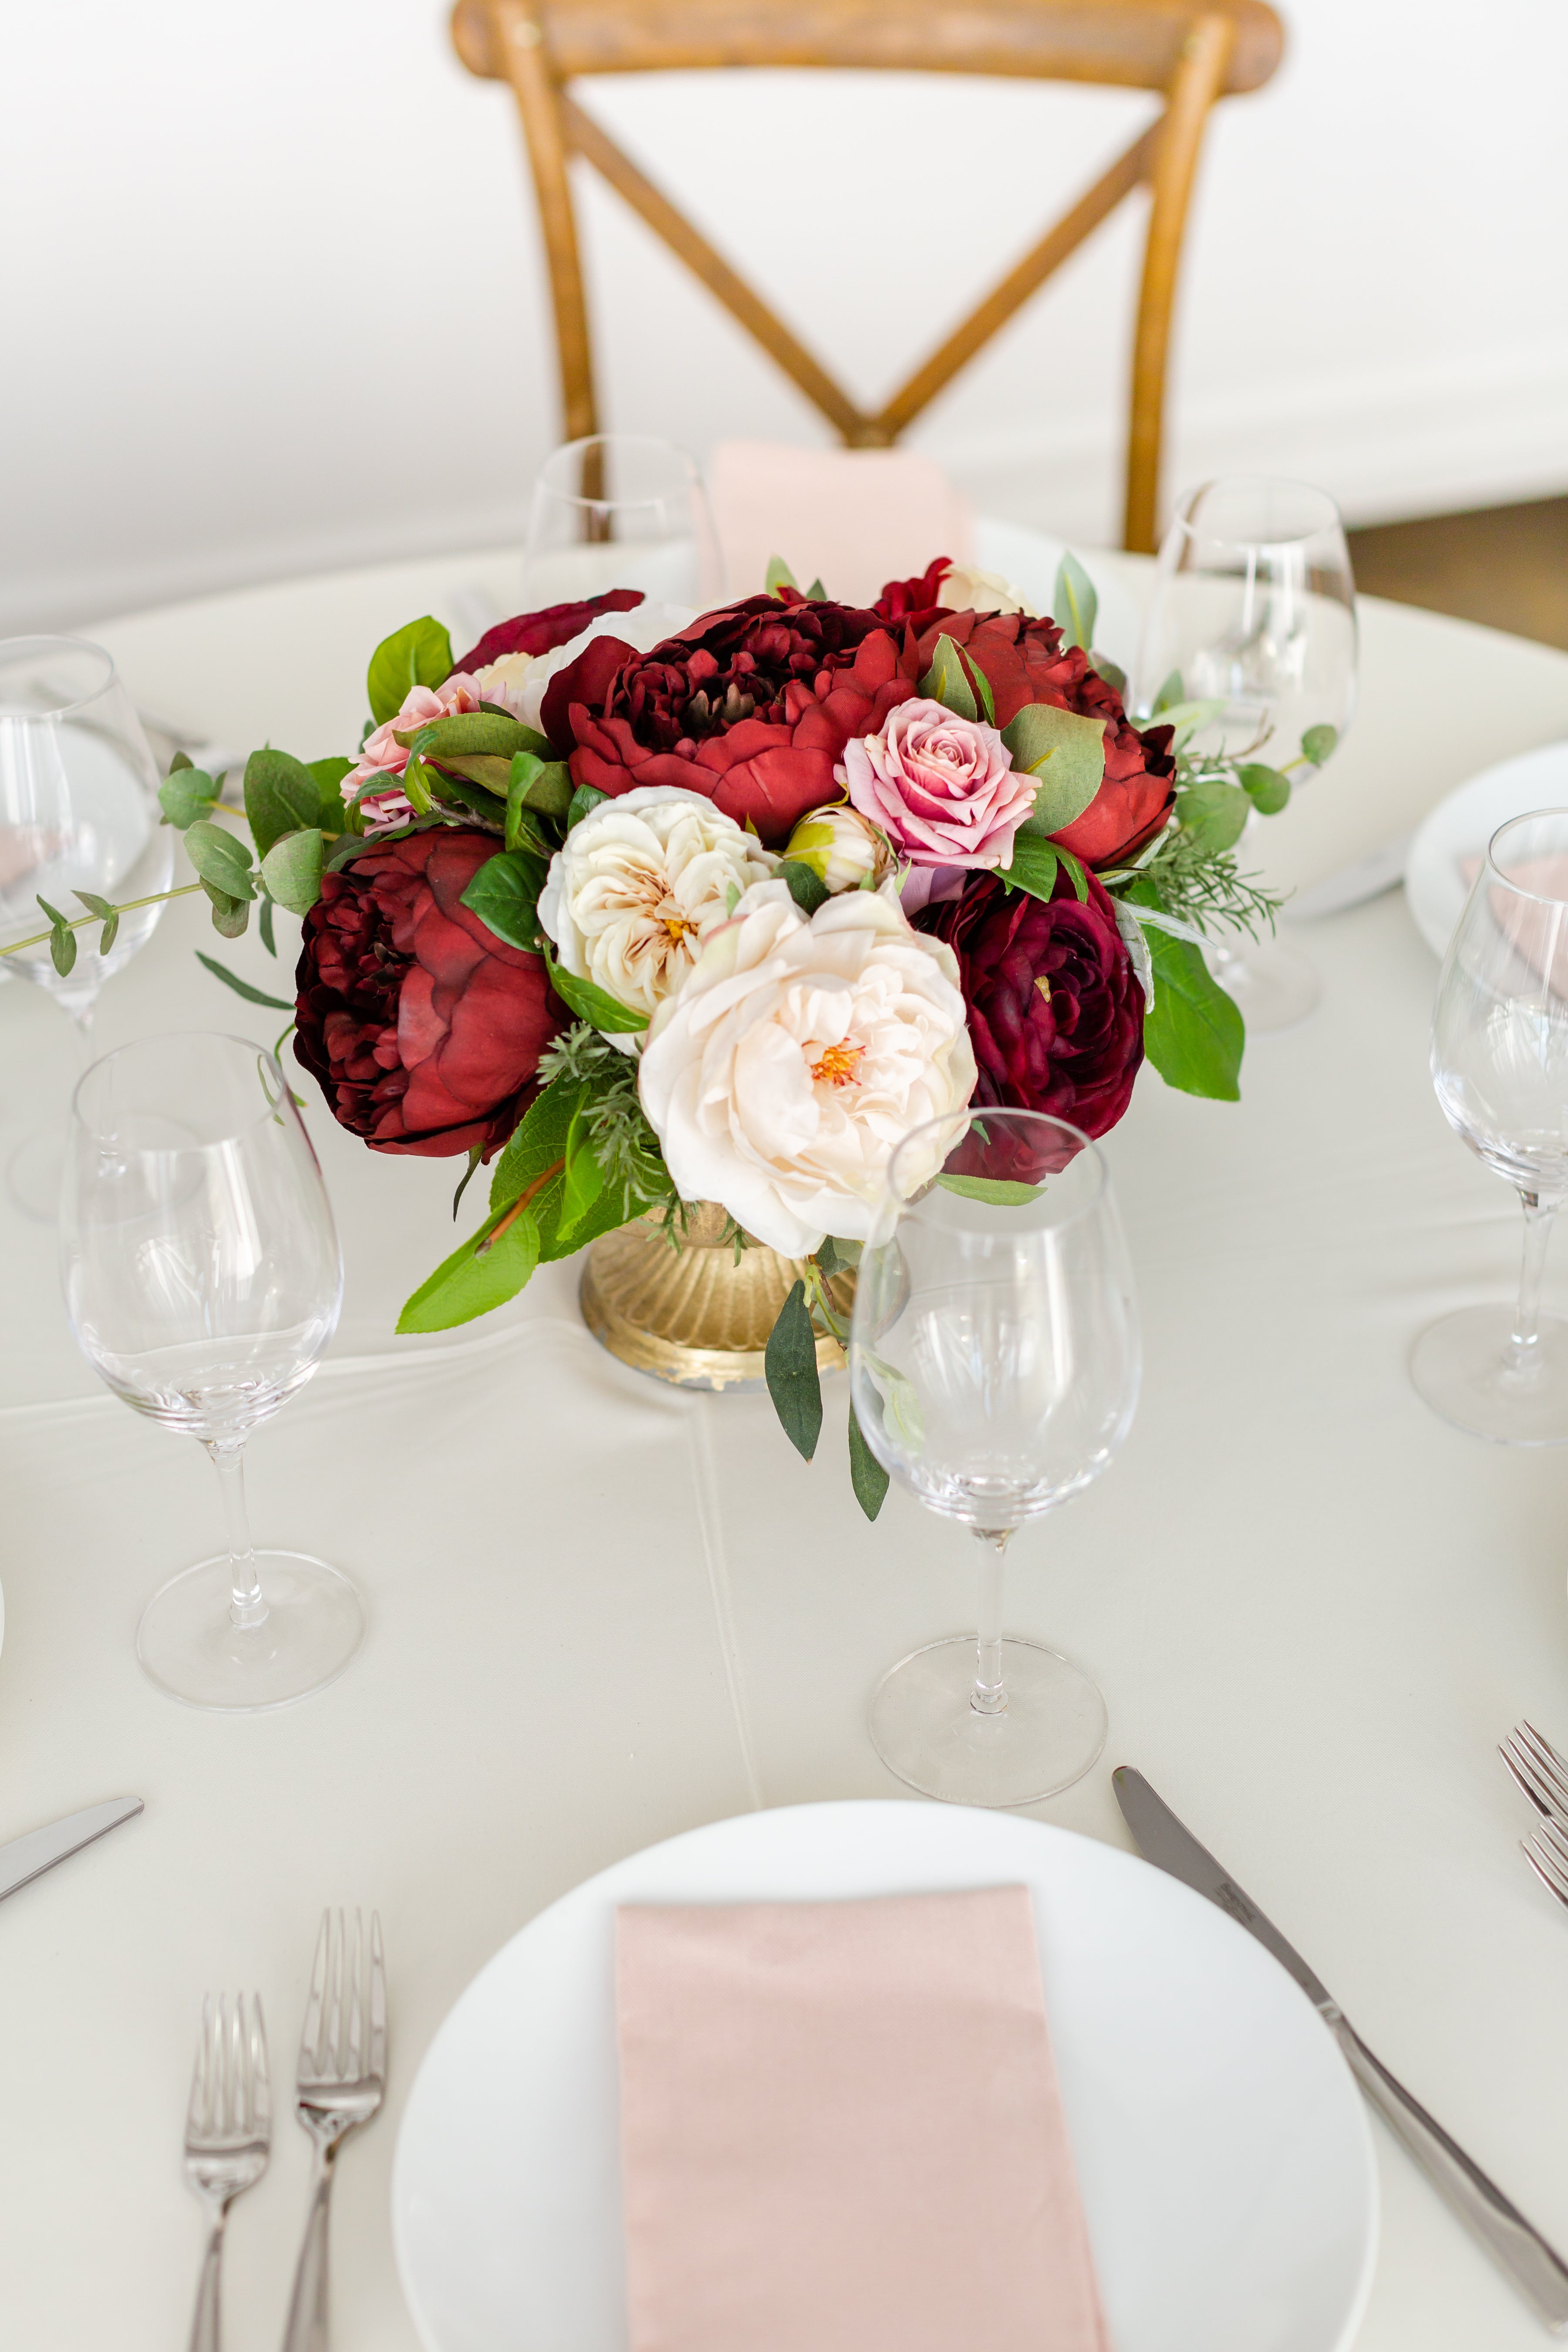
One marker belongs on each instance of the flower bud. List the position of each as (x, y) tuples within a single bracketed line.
[(841, 848)]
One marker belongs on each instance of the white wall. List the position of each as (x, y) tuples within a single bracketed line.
[(274, 300)]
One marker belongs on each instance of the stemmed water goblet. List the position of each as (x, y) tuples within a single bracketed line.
[(1254, 611), (203, 1280), (78, 812), (993, 1359), (1500, 1064), (621, 510)]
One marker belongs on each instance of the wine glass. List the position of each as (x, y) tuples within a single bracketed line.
[(1254, 608), (78, 811), (1500, 1064), (621, 510), (203, 1279), (993, 1360)]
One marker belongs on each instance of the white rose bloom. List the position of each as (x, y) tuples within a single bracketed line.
[(640, 883), (646, 626), (502, 681), (797, 1056), (963, 589)]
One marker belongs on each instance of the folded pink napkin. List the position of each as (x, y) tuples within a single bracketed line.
[(840, 2131), (852, 518), (1536, 928)]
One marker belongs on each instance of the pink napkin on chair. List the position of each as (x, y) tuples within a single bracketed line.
[(852, 518), (841, 2131)]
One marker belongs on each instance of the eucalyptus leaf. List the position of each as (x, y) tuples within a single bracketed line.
[(816, 591), (230, 916), (1214, 813), (794, 1382), (281, 795), (264, 925), (594, 1006), (291, 869), (243, 987), (1266, 789), (867, 1475), (947, 681), (1065, 752), (778, 575), (483, 1274), (220, 859), (186, 794), (1318, 744), (1074, 602), (504, 895), (420, 654), (1000, 1191)]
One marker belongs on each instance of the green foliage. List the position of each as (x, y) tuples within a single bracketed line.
[(230, 916), (1187, 881), (467, 733), (243, 987), (222, 862), (1215, 813), (504, 895), (489, 1267), (1073, 604), (804, 884), (998, 1191), (1318, 744), (1194, 1032), (62, 940), (291, 869), (594, 1006), (583, 1178), (186, 793), (1112, 672), (543, 785), (1187, 718), (793, 1382), (420, 654), (281, 794), (264, 925), (1033, 868), (1066, 753), (779, 575), (1266, 789), (107, 915), (586, 1113), (955, 679), (585, 798), (1169, 693), (867, 1475)]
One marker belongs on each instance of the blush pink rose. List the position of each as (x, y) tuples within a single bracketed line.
[(943, 789), (382, 755)]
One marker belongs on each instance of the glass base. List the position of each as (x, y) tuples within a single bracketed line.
[(1274, 986), (924, 1728), (35, 1175), (1463, 1367), (189, 1646)]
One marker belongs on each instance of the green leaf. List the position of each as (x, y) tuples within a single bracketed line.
[(793, 1382), (1318, 744), (867, 1475), (804, 884), (264, 925), (1066, 753), (504, 895), (1188, 718), (1194, 1034), (242, 987), (62, 940), (1078, 874), (538, 1142), (418, 654), (96, 905), (594, 1006), (220, 859), (1214, 813), (541, 784), (186, 793), (478, 1276), (1074, 602), (1266, 789), (999, 1190), (280, 796), (230, 916), (837, 1256), (816, 591), (466, 733), (583, 1180), (415, 785), (476, 1154), (1035, 866), (779, 575), (1169, 693), (1111, 672), (585, 797), (947, 681), (291, 869)]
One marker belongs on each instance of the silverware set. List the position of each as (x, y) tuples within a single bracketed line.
[(340, 2082), (1541, 1774)]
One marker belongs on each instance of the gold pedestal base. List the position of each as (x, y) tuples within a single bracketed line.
[(694, 1316)]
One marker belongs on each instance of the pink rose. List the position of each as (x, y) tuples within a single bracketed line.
[(381, 755), (944, 789)]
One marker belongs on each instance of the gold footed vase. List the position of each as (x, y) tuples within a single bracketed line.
[(695, 1316)]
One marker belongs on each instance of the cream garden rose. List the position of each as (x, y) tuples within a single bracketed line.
[(796, 1056), (639, 884)]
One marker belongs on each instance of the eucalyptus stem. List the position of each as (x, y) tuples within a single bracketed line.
[(79, 922)]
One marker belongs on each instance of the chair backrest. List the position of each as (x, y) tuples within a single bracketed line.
[(1189, 51)]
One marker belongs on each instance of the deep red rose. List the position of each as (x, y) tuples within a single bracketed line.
[(1056, 1013), (899, 598), (541, 632), (752, 707), (1026, 661), (423, 1030)]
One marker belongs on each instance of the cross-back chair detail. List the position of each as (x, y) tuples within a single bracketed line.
[(1191, 52)]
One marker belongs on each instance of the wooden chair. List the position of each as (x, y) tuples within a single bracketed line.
[(1190, 51)]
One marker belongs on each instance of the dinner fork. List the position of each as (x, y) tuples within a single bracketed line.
[(1547, 1853), (340, 2082), (228, 2130), (1538, 1770)]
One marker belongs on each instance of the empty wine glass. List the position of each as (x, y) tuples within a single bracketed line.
[(621, 510), (203, 1280), (994, 1360), (78, 811), (1254, 609), (1500, 1063)]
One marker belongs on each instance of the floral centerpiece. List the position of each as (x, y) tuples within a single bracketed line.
[(645, 910)]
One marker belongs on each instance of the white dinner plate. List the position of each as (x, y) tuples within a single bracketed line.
[(1461, 827), (1226, 2163)]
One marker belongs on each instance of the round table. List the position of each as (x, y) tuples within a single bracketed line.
[(601, 1611)]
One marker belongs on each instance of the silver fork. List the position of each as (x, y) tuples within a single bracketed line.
[(340, 2082), (1537, 1769), (228, 2131)]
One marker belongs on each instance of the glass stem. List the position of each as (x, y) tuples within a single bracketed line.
[(246, 1608), (1526, 1339), (989, 1697)]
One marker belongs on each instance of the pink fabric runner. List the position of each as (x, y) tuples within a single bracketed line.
[(841, 2131), (855, 517)]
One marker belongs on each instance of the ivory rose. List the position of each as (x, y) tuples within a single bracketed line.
[(964, 588), (640, 883), (943, 789), (795, 1058)]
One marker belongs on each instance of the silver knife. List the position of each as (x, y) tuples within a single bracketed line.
[(1536, 2269), (27, 1858)]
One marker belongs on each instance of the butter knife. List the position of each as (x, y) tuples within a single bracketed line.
[(1521, 2251), (26, 1858)]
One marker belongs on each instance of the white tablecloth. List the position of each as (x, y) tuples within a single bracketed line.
[(601, 1611)]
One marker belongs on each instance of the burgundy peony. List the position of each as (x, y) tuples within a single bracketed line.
[(423, 1030), (752, 707), (1056, 1013), (541, 632)]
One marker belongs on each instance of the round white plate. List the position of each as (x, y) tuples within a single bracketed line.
[(1461, 827), (1225, 2158)]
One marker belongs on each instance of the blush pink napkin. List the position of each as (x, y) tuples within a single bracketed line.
[(852, 518), (841, 2131), (1536, 931)]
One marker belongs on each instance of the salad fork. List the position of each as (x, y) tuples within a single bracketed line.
[(1537, 1769), (339, 2083), (228, 2131)]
